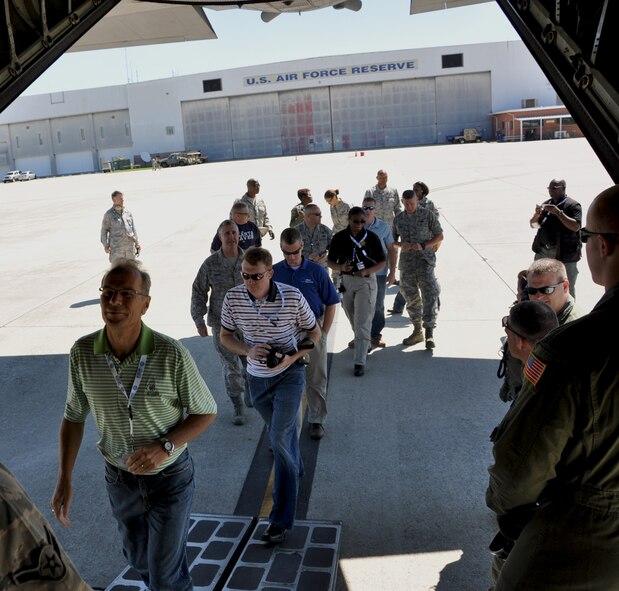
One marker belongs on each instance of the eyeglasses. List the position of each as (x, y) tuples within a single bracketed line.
[(240, 213), (505, 323), (253, 276), (126, 293), (316, 214), (553, 187), (357, 221), (369, 207), (586, 234), (546, 290), (291, 253)]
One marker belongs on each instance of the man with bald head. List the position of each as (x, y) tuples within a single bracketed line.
[(387, 198), (556, 451), (558, 221)]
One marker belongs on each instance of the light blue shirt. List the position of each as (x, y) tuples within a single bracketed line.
[(383, 231)]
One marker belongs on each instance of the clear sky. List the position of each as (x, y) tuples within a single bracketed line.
[(244, 40)]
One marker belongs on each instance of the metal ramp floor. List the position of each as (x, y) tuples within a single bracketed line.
[(225, 553)]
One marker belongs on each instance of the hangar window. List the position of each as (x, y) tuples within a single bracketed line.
[(211, 85), (59, 136), (453, 60), (169, 130), (40, 140), (528, 103), (127, 129), (17, 141), (101, 132), (83, 134)]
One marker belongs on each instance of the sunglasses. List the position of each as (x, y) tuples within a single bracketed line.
[(358, 221), (369, 207), (291, 253), (252, 276), (505, 324), (546, 290), (586, 234)]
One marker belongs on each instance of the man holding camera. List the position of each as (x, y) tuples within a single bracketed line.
[(277, 325), (558, 222), (313, 281)]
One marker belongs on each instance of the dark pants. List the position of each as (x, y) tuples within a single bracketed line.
[(153, 519)]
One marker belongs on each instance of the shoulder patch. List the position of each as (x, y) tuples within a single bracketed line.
[(533, 369)]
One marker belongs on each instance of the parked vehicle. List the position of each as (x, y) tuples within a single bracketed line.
[(27, 175), (182, 159), (11, 176), (470, 134)]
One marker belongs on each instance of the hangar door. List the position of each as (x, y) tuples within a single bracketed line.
[(409, 112), (207, 128), (256, 129), (357, 116), (305, 121), (463, 101)]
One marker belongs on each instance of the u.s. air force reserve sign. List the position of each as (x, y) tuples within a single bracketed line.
[(329, 73)]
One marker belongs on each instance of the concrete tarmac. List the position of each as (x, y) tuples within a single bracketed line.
[(403, 462)]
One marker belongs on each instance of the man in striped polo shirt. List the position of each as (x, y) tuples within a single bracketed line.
[(273, 319), (138, 384)]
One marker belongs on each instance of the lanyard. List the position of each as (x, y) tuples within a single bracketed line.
[(355, 256), (558, 205), (121, 387)]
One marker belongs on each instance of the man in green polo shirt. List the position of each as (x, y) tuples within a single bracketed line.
[(148, 400)]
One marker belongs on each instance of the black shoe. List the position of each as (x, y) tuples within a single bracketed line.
[(274, 534), (394, 312), (359, 370), (316, 431)]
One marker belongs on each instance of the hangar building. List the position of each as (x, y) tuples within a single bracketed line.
[(337, 103)]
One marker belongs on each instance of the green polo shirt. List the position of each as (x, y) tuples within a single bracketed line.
[(171, 385)]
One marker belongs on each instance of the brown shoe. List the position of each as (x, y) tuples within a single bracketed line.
[(416, 337), (378, 343), (316, 431)]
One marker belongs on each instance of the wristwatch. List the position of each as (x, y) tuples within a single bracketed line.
[(167, 445)]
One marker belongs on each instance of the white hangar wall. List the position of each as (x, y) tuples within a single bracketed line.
[(348, 102)]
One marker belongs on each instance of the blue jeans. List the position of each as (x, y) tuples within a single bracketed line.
[(153, 519), (399, 303), (277, 399), (378, 322)]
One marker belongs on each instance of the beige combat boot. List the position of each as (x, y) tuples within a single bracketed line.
[(416, 337)]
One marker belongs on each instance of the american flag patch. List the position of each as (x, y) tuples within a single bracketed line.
[(533, 369)]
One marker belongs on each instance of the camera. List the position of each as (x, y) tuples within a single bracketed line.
[(277, 353), (274, 356)]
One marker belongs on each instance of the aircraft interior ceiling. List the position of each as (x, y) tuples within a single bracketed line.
[(572, 41)]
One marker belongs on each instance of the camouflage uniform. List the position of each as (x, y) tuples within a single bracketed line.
[(217, 275), (296, 215), (118, 233), (387, 203), (339, 216), (417, 267), (429, 204), (556, 451), (257, 212), (316, 241), (31, 559)]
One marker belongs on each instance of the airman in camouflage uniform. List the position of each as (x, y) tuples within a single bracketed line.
[(118, 233), (338, 209), (316, 237), (31, 559), (416, 230), (257, 209), (218, 273), (297, 213), (387, 198)]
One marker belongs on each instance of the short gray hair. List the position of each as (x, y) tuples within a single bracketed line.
[(541, 266), (134, 267)]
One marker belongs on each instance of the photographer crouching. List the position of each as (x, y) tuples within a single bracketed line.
[(278, 326)]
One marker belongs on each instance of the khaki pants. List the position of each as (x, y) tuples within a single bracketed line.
[(359, 302), (316, 381)]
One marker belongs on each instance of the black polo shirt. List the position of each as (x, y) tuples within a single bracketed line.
[(367, 247)]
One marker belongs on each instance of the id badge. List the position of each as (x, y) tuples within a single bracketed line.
[(360, 266)]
